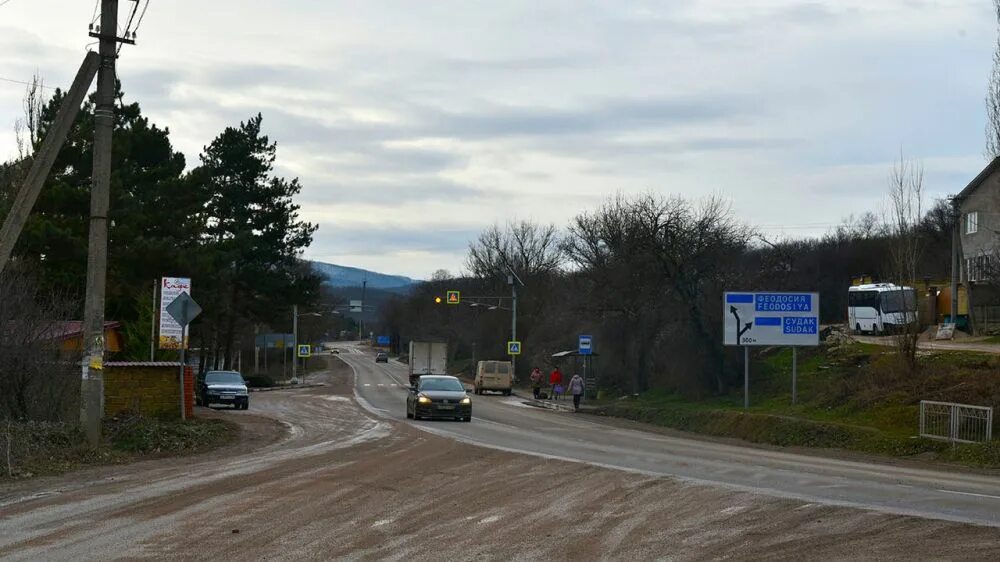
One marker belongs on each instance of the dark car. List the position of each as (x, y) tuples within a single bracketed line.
[(381, 357), (224, 387), (439, 397)]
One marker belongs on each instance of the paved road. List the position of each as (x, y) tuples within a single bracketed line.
[(974, 346), (508, 424)]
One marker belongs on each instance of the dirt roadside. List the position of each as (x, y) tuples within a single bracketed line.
[(413, 495), (431, 498)]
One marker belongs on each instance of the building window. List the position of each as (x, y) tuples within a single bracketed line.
[(972, 222), (980, 268)]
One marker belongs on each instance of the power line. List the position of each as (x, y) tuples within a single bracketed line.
[(12, 81), (128, 25), (142, 15)]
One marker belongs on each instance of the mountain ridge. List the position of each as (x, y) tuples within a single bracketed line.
[(346, 276)]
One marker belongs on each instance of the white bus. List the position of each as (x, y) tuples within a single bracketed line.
[(880, 308)]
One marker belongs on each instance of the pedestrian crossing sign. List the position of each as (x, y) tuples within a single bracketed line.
[(454, 297), (513, 348), (304, 351)]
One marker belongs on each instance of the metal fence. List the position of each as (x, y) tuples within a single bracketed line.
[(957, 423)]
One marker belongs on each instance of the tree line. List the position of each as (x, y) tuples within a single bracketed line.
[(644, 274), (229, 223)]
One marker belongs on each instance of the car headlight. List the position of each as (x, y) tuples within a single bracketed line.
[(423, 400), (467, 400)]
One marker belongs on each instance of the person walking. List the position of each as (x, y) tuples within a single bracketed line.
[(536, 382), (576, 387), (555, 379)]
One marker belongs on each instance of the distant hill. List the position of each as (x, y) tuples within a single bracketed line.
[(340, 276)]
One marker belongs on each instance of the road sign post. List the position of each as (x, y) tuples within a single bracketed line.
[(513, 348), (585, 345), (770, 319), (795, 373), (454, 297), (183, 309)]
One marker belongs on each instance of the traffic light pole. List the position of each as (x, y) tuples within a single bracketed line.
[(513, 326)]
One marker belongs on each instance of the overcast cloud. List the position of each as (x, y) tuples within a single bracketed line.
[(414, 125)]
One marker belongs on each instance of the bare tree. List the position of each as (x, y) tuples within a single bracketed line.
[(530, 249), (993, 99), (657, 267), (904, 219), (27, 132), (36, 375), (27, 128), (441, 275)]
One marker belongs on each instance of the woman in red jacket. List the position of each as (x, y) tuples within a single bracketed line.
[(555, 380)]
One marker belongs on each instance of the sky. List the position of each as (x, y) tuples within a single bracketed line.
[(412, 126)]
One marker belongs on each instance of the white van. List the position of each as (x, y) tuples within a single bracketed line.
[(493, 375)]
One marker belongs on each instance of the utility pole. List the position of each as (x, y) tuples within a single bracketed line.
[(955, 233), (361, 317), (152, 327), (514, 281), (45, 157), (92, 383), (295, 339)]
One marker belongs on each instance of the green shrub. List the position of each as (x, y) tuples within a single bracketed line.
[(259, 381)]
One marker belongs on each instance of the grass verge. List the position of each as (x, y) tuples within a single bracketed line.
[(851, 397), (31, 448)]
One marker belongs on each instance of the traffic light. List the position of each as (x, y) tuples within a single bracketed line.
[(437, 300)]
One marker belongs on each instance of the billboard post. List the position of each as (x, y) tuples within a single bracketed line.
[(770, 319)]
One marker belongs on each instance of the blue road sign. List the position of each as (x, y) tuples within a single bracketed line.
[(382, 340), (586, 345), (513, 348), (767, 318)]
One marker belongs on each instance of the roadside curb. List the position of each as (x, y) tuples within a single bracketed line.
[(546, 404), (286, 387)]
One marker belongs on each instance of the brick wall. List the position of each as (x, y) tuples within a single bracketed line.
[(148, 388)]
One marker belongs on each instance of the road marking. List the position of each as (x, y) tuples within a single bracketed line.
[(367, 384), (970, 494), (490, 519), (484, 420)]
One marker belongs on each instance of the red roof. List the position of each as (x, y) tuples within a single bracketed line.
[(73, 329)]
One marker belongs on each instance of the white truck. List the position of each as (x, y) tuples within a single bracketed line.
[(427, 358)]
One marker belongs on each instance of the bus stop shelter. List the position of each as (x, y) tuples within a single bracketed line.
[(586, 366)]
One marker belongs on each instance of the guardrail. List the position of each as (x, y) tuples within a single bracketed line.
[(955, 423)]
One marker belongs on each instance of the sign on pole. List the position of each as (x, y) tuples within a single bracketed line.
[(513, 348), (383, 340), (171, 332), (585, 345), (771, 319), (357, 306), (304, 350), (454, 297), (183, 310)]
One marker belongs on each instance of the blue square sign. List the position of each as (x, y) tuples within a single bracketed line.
[(586, 345)]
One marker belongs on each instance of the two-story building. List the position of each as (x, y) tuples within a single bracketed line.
[(979, 235)]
